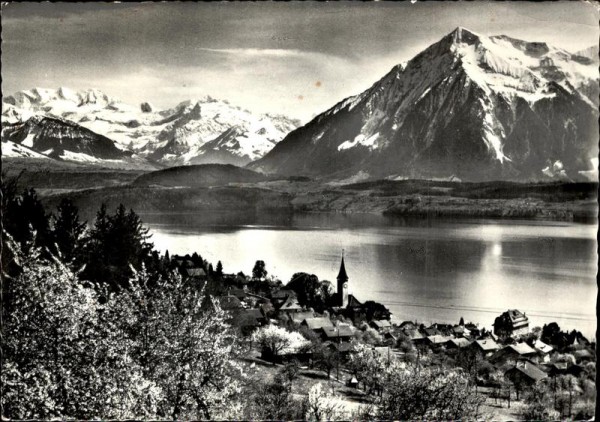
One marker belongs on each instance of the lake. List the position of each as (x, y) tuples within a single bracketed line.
[(435, 270)]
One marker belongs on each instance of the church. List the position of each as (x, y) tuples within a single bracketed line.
[(343, 298)]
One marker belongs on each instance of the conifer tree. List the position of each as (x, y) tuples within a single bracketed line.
[(68, 230)]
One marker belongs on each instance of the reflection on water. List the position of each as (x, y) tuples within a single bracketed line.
[(428, 270)]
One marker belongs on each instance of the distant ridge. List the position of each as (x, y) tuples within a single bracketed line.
[(194, 176)]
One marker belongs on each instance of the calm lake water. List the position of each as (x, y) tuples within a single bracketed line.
[(424, 270)]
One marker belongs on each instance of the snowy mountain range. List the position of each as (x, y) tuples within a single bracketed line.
[(195, 131), (470, 107)]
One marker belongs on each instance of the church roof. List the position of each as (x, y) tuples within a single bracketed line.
[(342, 274)]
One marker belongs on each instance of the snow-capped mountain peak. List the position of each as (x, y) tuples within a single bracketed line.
[(172, 136), (470, 105)]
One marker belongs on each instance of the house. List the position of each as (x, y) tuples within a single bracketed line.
[(485, 347), (444, 329), (381, 325), (457, 343), (290, 305), (557, 368), (524, 374), (416, 337), (239, 293), (511, 323), (407, 325), (317, 324), (437, 340), (339, 333), (473, 329), (431, 331), (298, 317), (248, 320), (195, 273), (513, 353), (543, 350), (459, 331), (583, 356), (564, 368), (281, 296), (390, 336), (344, 348)]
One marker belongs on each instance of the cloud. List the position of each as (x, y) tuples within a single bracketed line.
[(265, 52)]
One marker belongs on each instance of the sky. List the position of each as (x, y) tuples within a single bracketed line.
[(297, 59)]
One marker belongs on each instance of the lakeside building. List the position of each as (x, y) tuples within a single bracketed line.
[(511, 323)]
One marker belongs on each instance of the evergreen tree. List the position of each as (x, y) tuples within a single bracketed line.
[(219, 271), (259, 271), (117, 244), (23, 215), (68, 230), (197, 260)]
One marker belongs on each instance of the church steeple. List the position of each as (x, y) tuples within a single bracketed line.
[(342, 274), (342, 284)]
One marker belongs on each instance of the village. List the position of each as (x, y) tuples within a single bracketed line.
[(318, 333)]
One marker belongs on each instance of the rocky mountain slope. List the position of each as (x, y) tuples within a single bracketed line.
[(57, 138), (470, 107), (168, 137)]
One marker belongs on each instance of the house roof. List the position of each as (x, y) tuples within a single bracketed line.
[(405, 324), (522, 348), (414, 334), (254, 313), (529, 370), (513, 316), (301, 316), (339, 331), (459, 342), (560, 365), (283, 294), (487, 344), (542, 347), (458, 329), (579, 354), (431, 331), (317, 323), (195, 272), (381, 323), (353, 301), (438, 339), (291, 304)]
